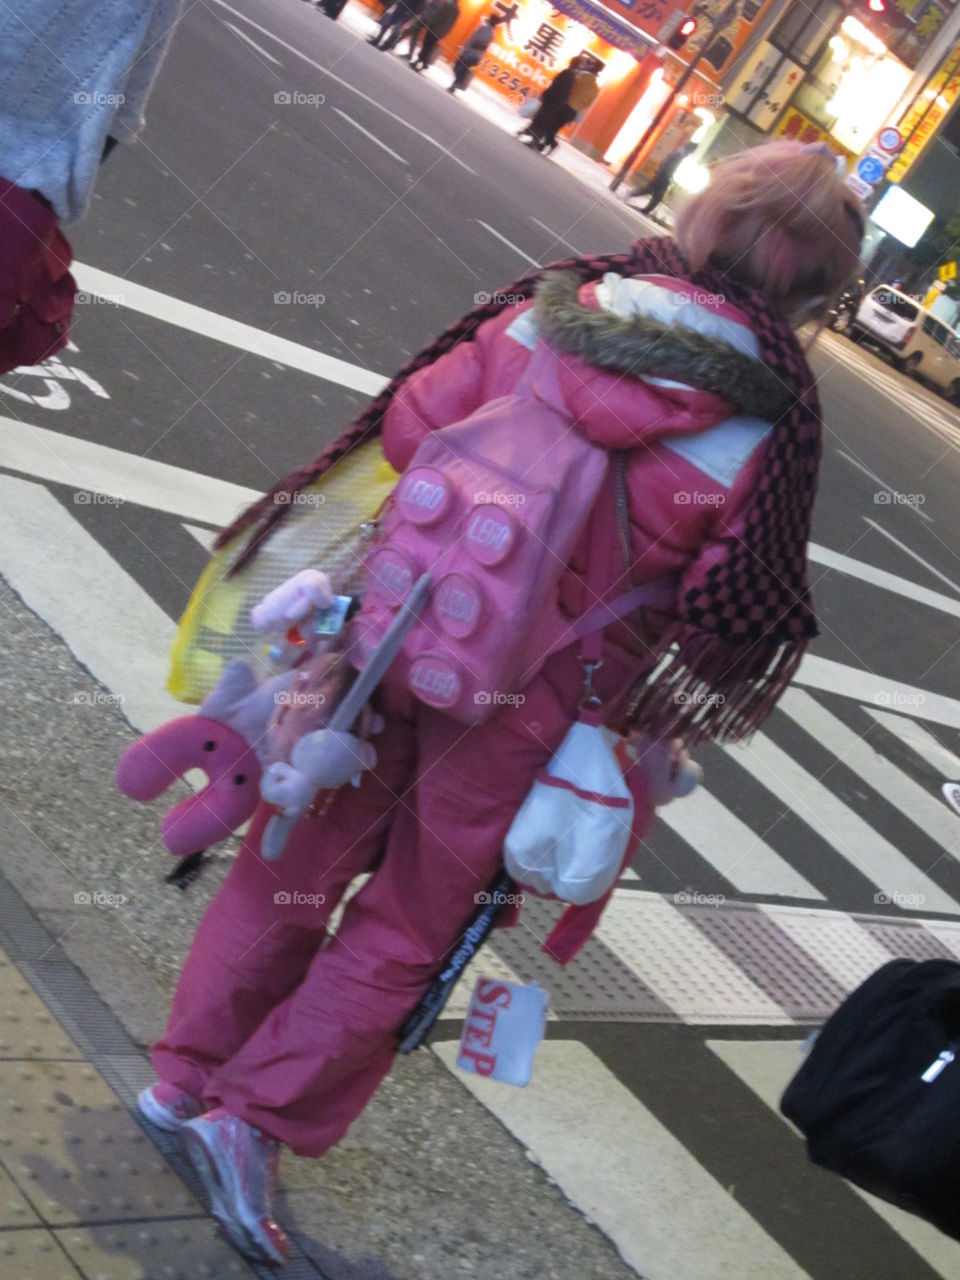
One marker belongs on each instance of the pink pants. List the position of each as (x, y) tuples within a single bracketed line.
[(295, 1036)]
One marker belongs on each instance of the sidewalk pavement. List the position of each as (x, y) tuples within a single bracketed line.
[(427, 1185), (493, 107)]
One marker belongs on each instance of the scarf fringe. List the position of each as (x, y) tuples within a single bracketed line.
[(711, 687)]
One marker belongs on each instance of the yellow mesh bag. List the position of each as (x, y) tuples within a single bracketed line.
[(323, 529)]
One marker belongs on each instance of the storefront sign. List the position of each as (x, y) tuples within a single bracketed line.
[(799, 128), (764, 87), (604, 25), (928, 110)]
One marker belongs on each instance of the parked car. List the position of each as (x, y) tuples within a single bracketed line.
[(917, 342)]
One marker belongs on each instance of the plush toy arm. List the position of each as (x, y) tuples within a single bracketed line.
[(290, 603)]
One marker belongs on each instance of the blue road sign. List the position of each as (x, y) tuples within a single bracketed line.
[(870, 169)]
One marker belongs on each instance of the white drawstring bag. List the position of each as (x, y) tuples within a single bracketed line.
[(571, 834)]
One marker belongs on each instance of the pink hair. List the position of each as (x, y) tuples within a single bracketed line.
[(776, 217)]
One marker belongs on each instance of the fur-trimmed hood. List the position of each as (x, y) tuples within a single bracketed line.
[(662, 348)]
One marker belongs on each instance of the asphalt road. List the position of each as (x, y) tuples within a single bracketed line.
[(309, 166)]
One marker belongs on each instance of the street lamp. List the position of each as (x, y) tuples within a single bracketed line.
[(717, 24)]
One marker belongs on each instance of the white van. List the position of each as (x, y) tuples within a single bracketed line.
[(917, 341)]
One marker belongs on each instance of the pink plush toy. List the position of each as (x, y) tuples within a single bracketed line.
[(226, 739)]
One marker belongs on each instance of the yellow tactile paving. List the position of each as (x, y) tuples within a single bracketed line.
[(151, 1251), (27, 1029), (75, 1152), (33, 1255), (15, 1211)]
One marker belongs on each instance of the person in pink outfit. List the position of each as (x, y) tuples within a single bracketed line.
[(679, 358)]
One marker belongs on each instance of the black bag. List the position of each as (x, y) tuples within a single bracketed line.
[(878, 1097)]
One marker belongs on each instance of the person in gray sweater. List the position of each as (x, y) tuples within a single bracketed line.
[(73, 75)]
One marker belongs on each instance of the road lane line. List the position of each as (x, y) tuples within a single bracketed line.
[(880, 578), (924, 810), (372, 136), (242, 35), (877, 860), (624, 1169), (63, 459), (557, 236), (509, 243), (107, 621), (736, 851), (347, 85), (910, 506), (210, 324), (913, 555), (766, 1067)]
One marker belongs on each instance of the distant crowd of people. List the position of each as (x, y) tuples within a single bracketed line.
[(424, 23)]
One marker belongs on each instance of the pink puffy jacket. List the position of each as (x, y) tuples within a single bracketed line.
[(693, 462)]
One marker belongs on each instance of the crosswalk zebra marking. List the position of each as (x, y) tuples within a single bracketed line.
[(870, 853), (63, 574), (922, 743), (625, 1170), (924, 810), (729, 845), (766, 1068)]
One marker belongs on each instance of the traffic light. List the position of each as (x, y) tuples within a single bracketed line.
[(682, 33)]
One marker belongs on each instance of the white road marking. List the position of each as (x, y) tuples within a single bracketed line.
[(837, 677), (680, 965), (924, 810), (557, 236), (509, 243), (886, 488), (109, 623), (919, 740), (879, 861), (347, 85), (206, 537), (766, 1067), (63, 459), (242, 35), (624, 1169), (913, 555), (835, 560), (728, 844), (372, 136), (210, 324)]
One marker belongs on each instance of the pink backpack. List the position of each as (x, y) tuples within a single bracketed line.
[(491, 507)]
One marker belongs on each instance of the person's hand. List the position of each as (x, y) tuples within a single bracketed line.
[(292, 601)]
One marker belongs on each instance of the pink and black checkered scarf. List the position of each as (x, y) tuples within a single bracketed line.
[(740, 633)]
